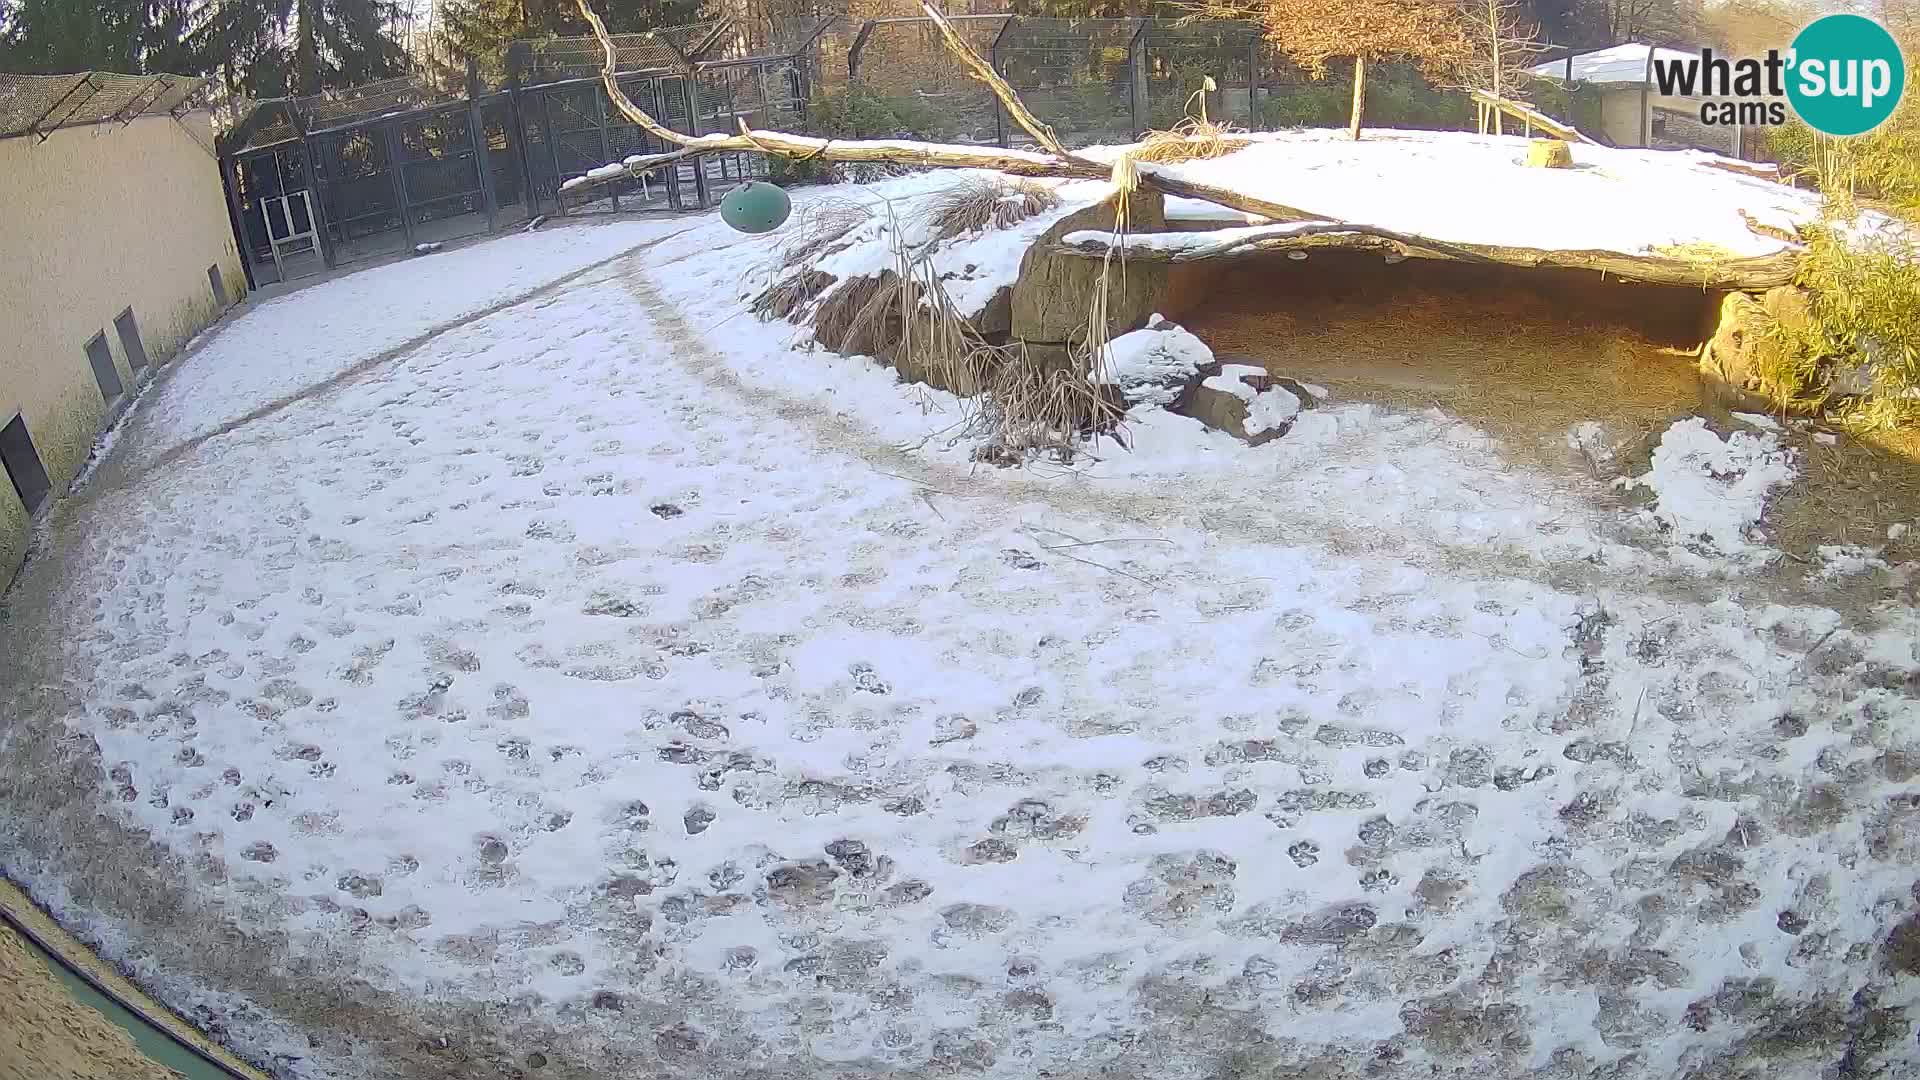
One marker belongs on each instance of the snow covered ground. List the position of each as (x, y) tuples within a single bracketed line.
[(602, 686), (1464, 188)]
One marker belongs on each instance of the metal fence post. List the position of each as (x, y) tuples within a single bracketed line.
[(477, 140), (1253, 82), (1137, 77), (606, 149), (553, 152), (659, 103), (317, 204), (999, 66), (517, 128), (230, 181), (691, 89), (397, 168)]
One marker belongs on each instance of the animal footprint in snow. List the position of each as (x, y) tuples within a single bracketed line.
[(1378, 880), (1304, 854), (865, 679), (665, 510), (1019, 560)]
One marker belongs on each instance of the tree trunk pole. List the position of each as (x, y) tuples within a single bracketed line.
[(1359, 93), (1493, 29)]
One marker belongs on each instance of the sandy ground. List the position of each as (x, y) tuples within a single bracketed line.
[(47, 1035), (598, 687)]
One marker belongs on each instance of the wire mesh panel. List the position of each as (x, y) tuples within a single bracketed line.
[(41, 104), (1075, 74), (440, 174), (660, 96), (358, 199), (1177, 58), (904, 83), (371, 101), (666, 49), (577, 135), (503, 158)]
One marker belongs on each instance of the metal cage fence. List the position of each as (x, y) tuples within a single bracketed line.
[(904, 73), (42, 104), (1076, 74)]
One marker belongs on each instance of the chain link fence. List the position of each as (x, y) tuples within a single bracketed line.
[(42, 104)]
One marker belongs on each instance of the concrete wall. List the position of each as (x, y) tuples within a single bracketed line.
[(93, 220), (1620, 115)]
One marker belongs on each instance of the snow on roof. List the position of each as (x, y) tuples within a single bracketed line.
[(1620, 64)]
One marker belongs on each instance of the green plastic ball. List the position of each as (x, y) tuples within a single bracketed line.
[(755, 208)]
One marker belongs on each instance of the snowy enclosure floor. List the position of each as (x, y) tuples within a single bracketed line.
[(601, 686)]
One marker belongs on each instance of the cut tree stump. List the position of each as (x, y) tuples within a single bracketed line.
[(1549, 154)]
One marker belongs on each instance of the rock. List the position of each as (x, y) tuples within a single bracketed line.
[(1549, 154), (1156, 364), (1241, 400), (1051, 295), (995, 321)]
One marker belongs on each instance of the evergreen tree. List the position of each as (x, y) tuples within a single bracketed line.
[(261, 48), (58, 36), (482, 29)]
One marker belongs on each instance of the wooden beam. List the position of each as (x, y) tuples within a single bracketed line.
[(1532, 116)]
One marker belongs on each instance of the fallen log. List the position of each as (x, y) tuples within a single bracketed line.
[(1126, 173), (1746, 273), (1056, 162)]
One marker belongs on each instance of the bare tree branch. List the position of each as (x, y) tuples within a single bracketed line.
[(984, 72)]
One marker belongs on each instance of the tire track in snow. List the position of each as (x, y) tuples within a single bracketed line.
[(115, 476), (1225, 513)]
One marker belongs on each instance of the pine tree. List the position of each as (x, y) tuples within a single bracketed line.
[(482, 29), (265, 48), (59, 36)]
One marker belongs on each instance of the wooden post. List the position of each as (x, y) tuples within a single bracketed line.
[(1359, 92)]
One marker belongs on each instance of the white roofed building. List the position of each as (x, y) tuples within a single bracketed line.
[(1633, 111)]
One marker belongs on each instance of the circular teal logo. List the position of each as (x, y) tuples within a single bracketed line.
[(1847, 74)]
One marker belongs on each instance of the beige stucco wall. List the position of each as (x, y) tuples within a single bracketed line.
[(93, 220), (1620, 116)]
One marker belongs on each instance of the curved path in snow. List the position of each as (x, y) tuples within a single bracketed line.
[(594, 687)]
